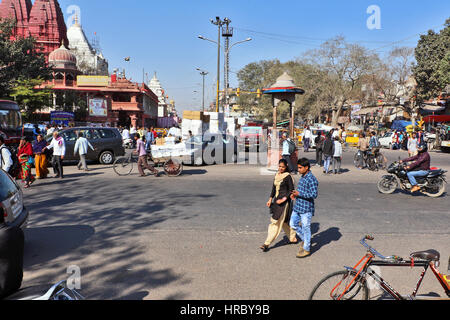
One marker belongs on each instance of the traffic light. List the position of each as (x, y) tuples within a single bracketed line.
[(238, 92), (258, 93)]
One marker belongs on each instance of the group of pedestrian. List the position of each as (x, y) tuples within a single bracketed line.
[(292, 209), (401, 140), (36, 152), (329, 148)]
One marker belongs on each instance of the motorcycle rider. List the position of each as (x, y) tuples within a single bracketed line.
[(419, 168)]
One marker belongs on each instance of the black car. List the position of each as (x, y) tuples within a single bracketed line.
[(13, 213), (106, 141)]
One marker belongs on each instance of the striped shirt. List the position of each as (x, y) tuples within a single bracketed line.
[(308, 187)]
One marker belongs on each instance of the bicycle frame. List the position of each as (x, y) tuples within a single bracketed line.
[(367, 261)]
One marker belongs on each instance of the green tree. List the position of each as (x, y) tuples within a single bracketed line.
[(433, 58), (19, 59), (29, 98)]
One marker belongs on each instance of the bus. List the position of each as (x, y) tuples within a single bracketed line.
[(10, 122)]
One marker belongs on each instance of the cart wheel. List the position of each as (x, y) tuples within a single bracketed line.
[(173, 168)]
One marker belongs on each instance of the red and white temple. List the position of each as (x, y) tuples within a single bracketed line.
[(43, 20)]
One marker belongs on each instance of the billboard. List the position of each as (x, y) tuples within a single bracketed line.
[(92, 81), (61, 118), (98, 107)]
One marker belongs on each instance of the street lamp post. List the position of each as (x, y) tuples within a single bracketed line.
[(219, 24), (226, 53), (227, 69), (203, 73)]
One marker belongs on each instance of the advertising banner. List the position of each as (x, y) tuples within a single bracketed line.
[(61, 118), (98, 107)]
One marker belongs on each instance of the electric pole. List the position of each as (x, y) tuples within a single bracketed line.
[(203, 73), (227, 33), (219, 24)]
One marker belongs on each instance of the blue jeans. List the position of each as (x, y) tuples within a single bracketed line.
[(412, 175), (326, 163), (303, 231)]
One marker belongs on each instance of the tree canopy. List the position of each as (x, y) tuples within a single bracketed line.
[(19, 60)]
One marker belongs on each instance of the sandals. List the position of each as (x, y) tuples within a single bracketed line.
[(264, 248)]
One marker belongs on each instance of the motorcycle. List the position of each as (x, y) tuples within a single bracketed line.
[(432, 185)]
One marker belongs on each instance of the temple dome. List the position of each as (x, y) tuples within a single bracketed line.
[(62, 58)]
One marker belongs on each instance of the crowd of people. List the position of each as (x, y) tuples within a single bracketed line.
[(35, 151)]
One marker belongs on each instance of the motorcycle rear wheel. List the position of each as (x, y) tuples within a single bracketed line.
[(435, 193)]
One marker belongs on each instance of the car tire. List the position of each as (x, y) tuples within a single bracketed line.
[(106, 157)]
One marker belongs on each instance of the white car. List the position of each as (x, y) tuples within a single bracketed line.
[(386, 141)]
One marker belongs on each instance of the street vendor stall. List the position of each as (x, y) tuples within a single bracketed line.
[(353, 135), (170, 156)]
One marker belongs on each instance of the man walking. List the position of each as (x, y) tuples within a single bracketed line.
[(307, 138), (142, 153), (328, 152), (82, 146), (287, 151), (319, 148), (59, 150), (304, 196), (5, 156)]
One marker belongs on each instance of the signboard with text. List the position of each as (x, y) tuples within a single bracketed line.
[(92, 81)]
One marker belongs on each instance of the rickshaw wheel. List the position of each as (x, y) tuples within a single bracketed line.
[(173, 168)]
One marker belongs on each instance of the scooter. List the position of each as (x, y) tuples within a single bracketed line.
[(432, 185)]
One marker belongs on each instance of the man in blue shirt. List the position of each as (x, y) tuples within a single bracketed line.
[(286, 154), (304, 196)]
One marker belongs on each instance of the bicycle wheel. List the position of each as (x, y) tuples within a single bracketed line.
[(357, 159), (173, 168), (123, 166), (332, 287), (381, 161), (371, 163)]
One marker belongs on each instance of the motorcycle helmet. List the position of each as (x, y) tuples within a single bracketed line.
[(422, 148)]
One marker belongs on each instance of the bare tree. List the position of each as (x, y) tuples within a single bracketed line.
[(345, 66)]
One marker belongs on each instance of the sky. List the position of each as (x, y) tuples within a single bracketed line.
[(162, 36)]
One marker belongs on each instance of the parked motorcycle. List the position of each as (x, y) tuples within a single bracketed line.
[(432, 185)]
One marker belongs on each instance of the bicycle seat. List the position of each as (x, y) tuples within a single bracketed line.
[(430, 255)]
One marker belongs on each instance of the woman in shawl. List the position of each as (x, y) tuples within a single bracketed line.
[(25, 156), (280, 206)]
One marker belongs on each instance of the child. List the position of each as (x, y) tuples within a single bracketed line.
[(337, 156)]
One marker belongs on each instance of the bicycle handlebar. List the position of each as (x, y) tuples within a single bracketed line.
[(375, 252)]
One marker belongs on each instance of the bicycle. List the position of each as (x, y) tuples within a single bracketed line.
[(352, 283), (124, 166), (374, 159)]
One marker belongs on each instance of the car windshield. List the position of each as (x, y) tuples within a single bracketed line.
[(10, 119), (7, 186)]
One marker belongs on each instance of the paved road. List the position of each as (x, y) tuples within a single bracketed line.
[(197, 236)]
